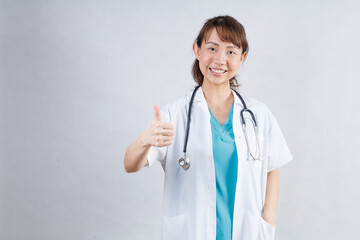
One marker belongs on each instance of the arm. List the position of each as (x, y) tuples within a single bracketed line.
[(135, 155), (159, 134), (271, 197)]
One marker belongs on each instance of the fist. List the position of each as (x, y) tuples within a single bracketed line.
[(159, 134)]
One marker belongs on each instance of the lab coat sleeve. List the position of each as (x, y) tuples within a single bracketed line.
[(158, 154), (279, 153)]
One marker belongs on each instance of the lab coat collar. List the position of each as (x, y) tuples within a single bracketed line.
[(199, 97)]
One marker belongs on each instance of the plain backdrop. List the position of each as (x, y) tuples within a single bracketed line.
[(78, 84)]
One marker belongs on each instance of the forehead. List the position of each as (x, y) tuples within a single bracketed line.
[(213, 36)]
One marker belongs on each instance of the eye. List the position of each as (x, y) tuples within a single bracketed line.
[(211, 49), (231, 52)]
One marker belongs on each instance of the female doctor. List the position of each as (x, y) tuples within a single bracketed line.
[(220, 162)]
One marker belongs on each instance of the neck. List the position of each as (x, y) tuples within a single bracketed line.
[(217, 95)]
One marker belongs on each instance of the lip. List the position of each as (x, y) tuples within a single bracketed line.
[(217, 73)]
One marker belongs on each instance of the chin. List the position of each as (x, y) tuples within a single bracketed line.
[(218, 81)]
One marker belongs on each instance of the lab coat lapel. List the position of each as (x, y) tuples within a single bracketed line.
[(207, 168), (242, 156)]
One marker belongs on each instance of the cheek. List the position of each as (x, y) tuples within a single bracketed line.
[(204, 62), (235, 65), (203, 68), (205, 58)]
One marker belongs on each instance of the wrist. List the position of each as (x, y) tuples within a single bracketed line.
[(269, 211), (142, 142)]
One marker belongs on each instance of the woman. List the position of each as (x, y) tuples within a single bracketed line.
[(229, 189)]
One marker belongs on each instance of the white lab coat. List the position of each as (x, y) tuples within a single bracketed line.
[(189, 203)]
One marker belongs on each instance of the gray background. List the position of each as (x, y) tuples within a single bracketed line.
[(78, 81)]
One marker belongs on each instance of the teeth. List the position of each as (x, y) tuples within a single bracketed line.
[(217, 71)]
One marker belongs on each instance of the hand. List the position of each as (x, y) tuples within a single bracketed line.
[(269, 218), (159, 134)]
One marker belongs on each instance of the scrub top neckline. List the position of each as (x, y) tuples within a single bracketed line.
[(227, 119)]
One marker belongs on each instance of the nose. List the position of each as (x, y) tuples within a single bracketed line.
[(220, 58)]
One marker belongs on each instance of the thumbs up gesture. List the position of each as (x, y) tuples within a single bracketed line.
[(159, 134)]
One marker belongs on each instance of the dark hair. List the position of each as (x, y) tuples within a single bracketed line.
[(228, 30)]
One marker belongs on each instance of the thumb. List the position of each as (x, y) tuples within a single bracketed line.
[(157, 112)]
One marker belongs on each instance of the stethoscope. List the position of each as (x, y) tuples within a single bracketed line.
[(184, 162)]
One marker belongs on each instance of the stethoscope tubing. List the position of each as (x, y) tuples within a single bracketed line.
[(185, 161), (189, 119)]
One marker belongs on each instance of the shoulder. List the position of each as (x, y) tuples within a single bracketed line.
[(176, 107), (175, 104), (264, 116), (256, 105)]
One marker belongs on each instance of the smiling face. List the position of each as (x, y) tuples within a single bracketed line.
[(218, 61)]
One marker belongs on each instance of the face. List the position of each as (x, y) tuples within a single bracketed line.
[(219, 61)]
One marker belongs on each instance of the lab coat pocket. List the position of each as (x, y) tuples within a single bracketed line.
[(266, 231), (176, 227)]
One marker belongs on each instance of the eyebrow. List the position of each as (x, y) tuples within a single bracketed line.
[(214, 43)]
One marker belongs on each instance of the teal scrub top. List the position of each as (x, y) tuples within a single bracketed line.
[(226, 166)]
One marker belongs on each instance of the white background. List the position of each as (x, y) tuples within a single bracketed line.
[(78, 82)]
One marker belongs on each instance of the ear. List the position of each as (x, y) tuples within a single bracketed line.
[(196, 50), (243, 56)]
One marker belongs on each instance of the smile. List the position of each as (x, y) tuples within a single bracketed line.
[(217, 72)]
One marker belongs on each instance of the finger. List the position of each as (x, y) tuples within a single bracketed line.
[(164, 144), (160, 140), (157, 112), (166, 125), (167, 132), (167, 138)]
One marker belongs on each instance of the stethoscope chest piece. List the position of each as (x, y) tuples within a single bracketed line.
[(184, 162)]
